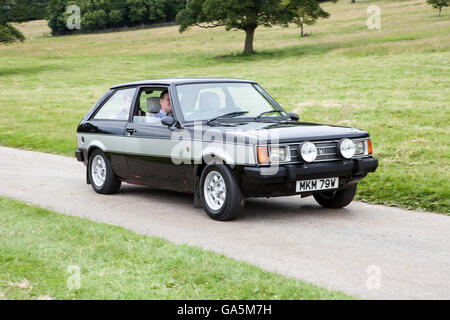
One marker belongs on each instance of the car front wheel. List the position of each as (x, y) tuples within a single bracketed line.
[(221, 195), (336, 199), (101, 175)]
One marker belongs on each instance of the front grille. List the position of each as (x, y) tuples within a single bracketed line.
[(326, 151)]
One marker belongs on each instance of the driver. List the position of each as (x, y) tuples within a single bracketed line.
[(166, 107)]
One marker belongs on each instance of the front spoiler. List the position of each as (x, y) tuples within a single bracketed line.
[(258, 181)]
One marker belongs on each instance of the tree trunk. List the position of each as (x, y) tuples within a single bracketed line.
[(440, 8), (301, 27), (249, 35), (353, 1)]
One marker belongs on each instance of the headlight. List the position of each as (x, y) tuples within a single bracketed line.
[(308, 151), (346, 148), (360, 147), (278, 154)]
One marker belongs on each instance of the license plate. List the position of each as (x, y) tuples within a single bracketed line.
[(318, 184)]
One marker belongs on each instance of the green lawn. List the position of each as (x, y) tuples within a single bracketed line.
[(392, 82), (39, 249)]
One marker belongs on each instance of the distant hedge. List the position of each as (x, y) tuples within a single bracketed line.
[(24, 10), (111, 14)]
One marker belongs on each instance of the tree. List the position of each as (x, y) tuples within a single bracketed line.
[(244, 15), (56, 20), (305, 12), (438, 4), (8, 33), (25, 10)]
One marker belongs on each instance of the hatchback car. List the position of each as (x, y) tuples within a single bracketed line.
[(223, 140)]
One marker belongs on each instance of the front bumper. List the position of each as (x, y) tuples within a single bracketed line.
[(259, 181)]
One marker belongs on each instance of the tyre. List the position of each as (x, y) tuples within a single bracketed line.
[(101, 175), (336, 199), (220, 193)]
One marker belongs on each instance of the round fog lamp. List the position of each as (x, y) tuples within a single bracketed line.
[(347, 148), (308, 151)]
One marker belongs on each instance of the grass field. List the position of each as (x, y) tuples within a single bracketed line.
[(41, 251), (393, 82)]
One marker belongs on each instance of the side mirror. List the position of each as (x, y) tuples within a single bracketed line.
[(293, 116), (168, 121)]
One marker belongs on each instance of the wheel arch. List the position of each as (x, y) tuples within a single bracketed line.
[(217, 158), (92, 147)]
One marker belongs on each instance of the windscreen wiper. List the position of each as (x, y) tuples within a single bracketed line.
[(235, 113), (267, 112)]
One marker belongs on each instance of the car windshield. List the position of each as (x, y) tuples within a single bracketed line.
[(207, 101)]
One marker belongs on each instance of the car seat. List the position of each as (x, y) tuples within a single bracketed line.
[(153, 105), (209, 101)]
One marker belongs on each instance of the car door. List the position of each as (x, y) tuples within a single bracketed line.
[(148, 145), (105, 129)]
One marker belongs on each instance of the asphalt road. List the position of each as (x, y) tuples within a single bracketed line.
[(364, 250)]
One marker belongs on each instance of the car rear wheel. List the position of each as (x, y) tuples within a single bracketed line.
[(336, 199), (101, 175), (221, 195)]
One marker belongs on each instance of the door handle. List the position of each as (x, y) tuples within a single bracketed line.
[(131, 131)]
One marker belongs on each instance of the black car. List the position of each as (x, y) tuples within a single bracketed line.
[(221, 139)]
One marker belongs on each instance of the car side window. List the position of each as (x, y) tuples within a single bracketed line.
[(117, 107), (149, 106)]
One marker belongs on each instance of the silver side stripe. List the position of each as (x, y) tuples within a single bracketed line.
[(181, 151)]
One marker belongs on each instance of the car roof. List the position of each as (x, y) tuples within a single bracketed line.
[(169, 81)]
